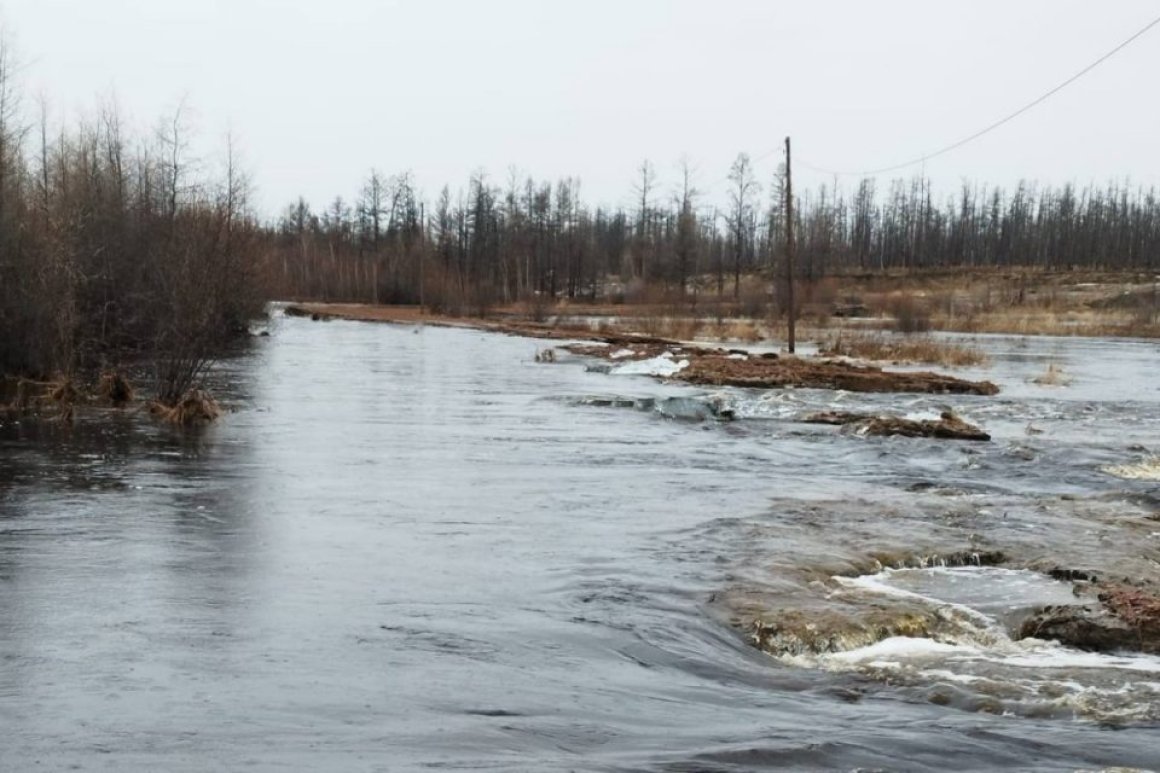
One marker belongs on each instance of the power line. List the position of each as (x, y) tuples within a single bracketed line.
[(1006, 119)]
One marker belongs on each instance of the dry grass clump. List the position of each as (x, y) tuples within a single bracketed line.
[(679, 328), (1046, 319), (63, 394), (1053, 376), (62, 391), (1025, 302), (536, 307), (195, 408), (114, 387), (735, 330), (925, 349), (57, 396)]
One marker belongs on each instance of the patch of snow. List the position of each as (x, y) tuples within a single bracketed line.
[(664, 365)]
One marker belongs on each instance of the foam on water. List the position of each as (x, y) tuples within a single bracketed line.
[(1147, 469), (1026, 675), (979, 590)]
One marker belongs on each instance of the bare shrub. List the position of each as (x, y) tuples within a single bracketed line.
[(481, 298), (909, 315), (442, 293), (754, 298), (537, 307)]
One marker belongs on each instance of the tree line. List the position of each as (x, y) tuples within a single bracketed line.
[(527, 239)]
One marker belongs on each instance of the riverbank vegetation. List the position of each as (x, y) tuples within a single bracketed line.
[(117, 252)]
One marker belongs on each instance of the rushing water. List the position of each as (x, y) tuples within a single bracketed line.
[(410, 549)]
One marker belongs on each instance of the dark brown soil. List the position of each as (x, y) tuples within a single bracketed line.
[(946, 427), (1127, 618), (717, 370)]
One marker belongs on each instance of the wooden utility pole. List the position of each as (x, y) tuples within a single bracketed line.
[(789, 245)]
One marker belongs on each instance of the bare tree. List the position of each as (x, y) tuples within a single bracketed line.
[(371, 210), (174, 145), (741, 197), (643, 188), (686, 239)]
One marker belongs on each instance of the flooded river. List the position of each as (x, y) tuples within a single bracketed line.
[(419, 548)]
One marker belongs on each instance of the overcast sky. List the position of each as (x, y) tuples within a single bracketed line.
[(317, 93)]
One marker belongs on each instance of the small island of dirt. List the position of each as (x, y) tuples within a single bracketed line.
[(708, 366)]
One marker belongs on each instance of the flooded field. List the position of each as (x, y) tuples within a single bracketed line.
[(412, 548)]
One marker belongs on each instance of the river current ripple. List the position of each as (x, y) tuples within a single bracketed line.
[(410, 548)]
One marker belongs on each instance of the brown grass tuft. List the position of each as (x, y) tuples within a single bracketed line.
[(925, 349), (58, 395), (114, 387), (195, 408), (62, 391)]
